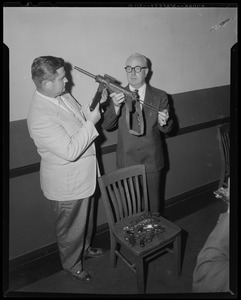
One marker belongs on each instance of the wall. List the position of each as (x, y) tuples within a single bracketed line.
[(190, 60), (186, 54)]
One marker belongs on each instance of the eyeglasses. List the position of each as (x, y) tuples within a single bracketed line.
[(137, 69)]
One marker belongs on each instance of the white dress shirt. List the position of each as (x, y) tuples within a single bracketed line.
[(141, 92)]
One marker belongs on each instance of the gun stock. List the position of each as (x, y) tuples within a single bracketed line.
[(97, 97)]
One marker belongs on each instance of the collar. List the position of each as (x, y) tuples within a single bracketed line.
[(54, 100), (141, 90)]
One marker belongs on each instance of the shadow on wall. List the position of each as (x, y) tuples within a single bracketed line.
[(70, 83)]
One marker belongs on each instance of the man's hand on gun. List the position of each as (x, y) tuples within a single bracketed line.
[(95, 115), (118, 99), (104, 96), (163, 117)]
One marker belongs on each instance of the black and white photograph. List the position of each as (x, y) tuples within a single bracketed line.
[(120, 140)]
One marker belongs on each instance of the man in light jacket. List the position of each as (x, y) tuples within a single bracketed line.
[(64, 136)]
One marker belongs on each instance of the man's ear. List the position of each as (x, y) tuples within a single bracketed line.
[(47, 84), (146, 71)]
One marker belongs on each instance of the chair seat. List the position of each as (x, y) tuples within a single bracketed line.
[(160, 240)]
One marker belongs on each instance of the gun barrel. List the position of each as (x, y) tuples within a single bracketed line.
[(118, 87), (85, 72), (149, 106)]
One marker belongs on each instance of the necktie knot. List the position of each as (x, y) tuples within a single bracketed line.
[(137, 94)]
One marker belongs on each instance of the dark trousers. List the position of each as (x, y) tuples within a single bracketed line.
[(154, 191), (74, 228)]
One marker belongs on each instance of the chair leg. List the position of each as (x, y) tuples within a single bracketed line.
[(113, 245), (140, 275), (177, 254), (222, 175)]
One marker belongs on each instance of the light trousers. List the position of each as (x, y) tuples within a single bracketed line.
[(74, 228)]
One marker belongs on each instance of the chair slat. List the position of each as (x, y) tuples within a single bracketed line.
[(224, 145), (128, 196), (118, 198), (114, 202), (123, 197), (138, 196), (133, 196)]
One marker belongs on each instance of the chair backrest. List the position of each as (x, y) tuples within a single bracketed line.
[(224, 145), (124, 192), (224, 140)]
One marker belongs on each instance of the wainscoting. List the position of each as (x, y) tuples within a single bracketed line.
[(193, 164)]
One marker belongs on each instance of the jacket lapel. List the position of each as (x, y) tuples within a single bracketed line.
[(76, 106), (149, 99)]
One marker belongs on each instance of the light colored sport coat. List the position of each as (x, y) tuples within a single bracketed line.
[(66, 146)]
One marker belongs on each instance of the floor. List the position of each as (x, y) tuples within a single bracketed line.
[(46, 277)]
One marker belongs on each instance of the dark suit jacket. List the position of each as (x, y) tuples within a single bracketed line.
[(148, 148)]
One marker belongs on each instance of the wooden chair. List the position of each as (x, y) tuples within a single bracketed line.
[(124, 193), (224, 146)]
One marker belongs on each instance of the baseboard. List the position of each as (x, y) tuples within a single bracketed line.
[(176, 207), (182, 205), (197, 192), (32, 256)]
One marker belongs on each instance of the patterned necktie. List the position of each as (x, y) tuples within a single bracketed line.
[(135, 121), (138, 108)]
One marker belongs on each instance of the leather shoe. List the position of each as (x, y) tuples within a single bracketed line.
[(81, 275), (94, 252)]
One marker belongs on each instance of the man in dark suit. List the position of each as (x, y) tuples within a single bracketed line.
[(140, 129)]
